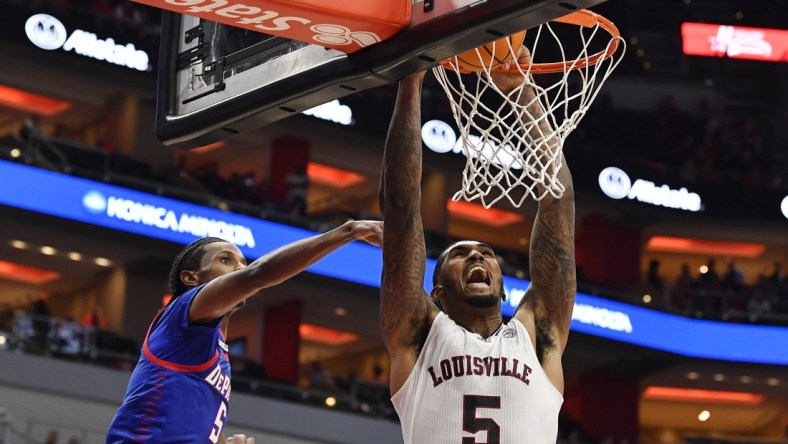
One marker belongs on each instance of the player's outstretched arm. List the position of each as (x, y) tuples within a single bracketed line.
[(546, 308), (225, 292), (550, 297), (404, 305)]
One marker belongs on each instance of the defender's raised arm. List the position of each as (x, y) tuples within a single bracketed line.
[(220, 295)]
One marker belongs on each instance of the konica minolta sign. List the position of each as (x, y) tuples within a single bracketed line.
[(164, 218)]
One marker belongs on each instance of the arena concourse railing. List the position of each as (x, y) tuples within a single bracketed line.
[(65, 339)]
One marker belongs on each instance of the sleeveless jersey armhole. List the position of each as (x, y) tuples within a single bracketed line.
[(431, 335), (150, 356), (538, 364)]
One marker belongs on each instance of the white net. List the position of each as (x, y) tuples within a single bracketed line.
[(513, 140)]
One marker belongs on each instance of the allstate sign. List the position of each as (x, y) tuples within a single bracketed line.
[(440, 137), (616, 184), (47, 32)]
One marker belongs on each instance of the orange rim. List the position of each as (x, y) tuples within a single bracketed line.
[(584, 18)]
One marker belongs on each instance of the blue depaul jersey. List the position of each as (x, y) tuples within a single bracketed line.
[(180, 389)]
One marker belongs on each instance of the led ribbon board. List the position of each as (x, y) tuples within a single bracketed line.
[(170, 220), (736, 42)]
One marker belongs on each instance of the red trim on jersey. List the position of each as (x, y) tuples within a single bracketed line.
[(171, 365)]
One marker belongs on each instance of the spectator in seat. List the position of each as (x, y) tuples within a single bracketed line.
[(378, 375), (297, 184), (710, 280), (41, 321), (758, 305), (95, 318), (6, 317), (733, 279), (319, 378), (682, 296)]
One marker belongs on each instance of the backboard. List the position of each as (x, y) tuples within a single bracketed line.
[(217, 80)]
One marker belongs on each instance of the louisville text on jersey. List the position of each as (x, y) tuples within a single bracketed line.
[(467, 365)]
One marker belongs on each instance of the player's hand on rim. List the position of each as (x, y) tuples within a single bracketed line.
[(510, 77)]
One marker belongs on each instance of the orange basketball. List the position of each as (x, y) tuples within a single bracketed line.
[(492, 55)]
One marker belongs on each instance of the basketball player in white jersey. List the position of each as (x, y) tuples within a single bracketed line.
[(461, 375)]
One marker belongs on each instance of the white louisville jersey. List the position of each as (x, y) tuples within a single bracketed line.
[(466, 389)]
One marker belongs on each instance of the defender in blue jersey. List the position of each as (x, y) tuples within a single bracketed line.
[(180, 389)]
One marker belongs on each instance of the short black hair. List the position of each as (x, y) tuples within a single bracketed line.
[(439, 264), (188, 259), (442, 258)]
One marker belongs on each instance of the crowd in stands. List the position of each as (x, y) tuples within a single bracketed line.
[(712, 145), (36, 330), (721, 295)]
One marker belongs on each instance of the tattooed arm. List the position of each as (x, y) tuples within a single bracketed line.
[(550, 298), (546, 308), (405, 311)]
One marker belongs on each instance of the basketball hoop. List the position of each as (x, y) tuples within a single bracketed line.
[(512, 153)]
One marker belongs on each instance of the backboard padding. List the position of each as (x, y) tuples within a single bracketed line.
[(309, 75)]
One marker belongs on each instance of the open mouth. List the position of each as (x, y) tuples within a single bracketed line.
[(477, 277)]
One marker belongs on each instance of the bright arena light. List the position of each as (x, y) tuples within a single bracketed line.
[(22, 245), (704, 415), (104, 262)]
